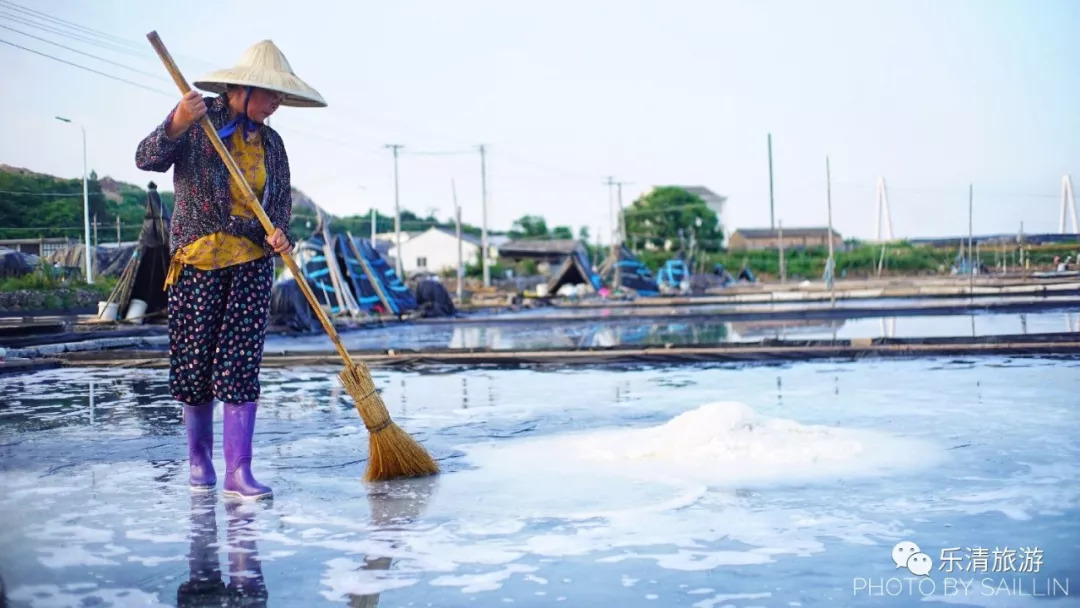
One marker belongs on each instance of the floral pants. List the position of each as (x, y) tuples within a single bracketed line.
[(217, 326)]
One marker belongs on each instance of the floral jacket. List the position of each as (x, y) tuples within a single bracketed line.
[(201, 181)]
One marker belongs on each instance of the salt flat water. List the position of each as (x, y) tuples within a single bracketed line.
[(682, 332), (708, 486)]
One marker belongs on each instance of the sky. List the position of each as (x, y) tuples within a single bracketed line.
[(931, 95)]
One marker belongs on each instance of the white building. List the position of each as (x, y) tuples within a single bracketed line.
[(436, 250)]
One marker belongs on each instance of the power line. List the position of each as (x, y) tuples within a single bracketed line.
[(74, 50), (69, 24), (69, 35), (84, 34), (100, 34), (439, 153), (83, 67), (29, 193), (137, 46)]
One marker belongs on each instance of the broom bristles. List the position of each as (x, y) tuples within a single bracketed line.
[(392, 452)]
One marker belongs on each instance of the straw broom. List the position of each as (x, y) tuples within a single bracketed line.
[(393, 453)]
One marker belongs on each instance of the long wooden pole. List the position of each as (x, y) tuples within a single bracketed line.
[(783, 270), (460, 260), (832, 261), (772, 215), (971, 239), (249, 196)]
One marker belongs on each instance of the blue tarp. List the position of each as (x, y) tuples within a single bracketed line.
[(673, 273), (311, 258), (400, 299), (356, 275), (636, 276), (583, 260)]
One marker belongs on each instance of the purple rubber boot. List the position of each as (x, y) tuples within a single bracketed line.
[(199, 420), (239, 429)]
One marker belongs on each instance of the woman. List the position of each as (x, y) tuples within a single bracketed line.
[(222, 268)]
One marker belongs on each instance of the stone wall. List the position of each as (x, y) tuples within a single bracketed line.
[(55, 299)]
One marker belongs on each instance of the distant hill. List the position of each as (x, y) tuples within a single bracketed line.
[(36, 205)]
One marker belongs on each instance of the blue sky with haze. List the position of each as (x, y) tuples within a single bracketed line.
[(932, 95)]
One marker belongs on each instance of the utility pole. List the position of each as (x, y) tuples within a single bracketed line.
[(971, 239), (460, 266), (831, 264), (373, 217), (483, 217), (616, 246), (783, 270), (118, 231), (86, 201), (611, 206), (772, 216), (622, 218), (397, 215)]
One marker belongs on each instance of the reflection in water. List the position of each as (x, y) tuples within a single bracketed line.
[(394, 506), (701, 329), (205, 586), (785, 328)]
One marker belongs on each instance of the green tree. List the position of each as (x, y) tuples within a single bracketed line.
[(529, 227), (671, 214), (562, 232), (583, 234)]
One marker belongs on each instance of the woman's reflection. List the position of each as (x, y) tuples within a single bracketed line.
[(205, 586)]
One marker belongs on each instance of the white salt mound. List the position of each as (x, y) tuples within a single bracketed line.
[(728, 442), (724, 443)]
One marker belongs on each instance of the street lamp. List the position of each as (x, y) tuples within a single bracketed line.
[(86, 199)]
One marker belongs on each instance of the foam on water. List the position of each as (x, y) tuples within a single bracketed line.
[(53, 596), (346, 577), (664, 494)]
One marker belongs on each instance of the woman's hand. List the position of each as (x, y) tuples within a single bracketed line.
[(190, 109), (278, 242)]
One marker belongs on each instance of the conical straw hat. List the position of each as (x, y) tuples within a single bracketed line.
[(264, 66)]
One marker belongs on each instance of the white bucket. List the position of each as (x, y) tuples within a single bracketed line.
[(108, 312), (101, 307), (541, 290), (136, 310)]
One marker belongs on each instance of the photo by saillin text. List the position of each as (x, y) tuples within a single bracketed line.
[(964, 572)]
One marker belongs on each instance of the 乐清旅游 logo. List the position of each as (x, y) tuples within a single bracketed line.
[(906, 554)]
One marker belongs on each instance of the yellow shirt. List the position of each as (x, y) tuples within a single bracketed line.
[(220, 249)]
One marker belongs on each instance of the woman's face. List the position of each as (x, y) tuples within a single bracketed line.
[(260, 106)]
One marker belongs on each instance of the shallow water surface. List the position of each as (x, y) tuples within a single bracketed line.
[(618, 331), (709, 486)]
